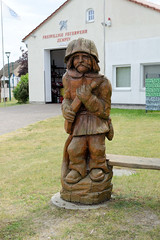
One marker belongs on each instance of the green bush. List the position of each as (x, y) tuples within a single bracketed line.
[(21, 92)]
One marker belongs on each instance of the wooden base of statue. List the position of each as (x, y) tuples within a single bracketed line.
[(87, 191)]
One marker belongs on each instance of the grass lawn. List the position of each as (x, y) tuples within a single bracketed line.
[(30, 162), (9, 103)]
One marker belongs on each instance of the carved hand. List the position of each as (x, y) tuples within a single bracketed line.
[(69, 114), (84, 93)]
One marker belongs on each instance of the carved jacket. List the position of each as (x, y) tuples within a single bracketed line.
[(92, 116)]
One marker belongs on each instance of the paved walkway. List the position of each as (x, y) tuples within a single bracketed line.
[(15, 117)]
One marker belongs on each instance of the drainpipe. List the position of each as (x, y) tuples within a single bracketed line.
[(104, 34)]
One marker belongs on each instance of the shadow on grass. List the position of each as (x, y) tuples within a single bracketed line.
[(120, 202)]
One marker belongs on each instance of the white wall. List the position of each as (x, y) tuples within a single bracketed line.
[(134, 53), (131, 21), (47, 76), (133, 39), (36, 72)]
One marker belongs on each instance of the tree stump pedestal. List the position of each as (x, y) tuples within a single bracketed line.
[(87, 191)]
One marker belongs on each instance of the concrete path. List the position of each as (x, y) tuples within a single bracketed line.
[(15, 117)]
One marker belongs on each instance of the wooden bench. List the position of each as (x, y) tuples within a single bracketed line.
[(133, 162)]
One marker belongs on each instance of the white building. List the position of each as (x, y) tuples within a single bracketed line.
[(127, 36), (14, 80), (4, 88)]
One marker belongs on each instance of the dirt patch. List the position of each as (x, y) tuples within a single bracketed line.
[(146, 219), (60, 227), (50, 227)]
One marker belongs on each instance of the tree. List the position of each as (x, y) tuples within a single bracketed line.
[(21, 92), (23, 60)]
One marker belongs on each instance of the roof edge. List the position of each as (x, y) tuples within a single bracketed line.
[(144, 3), (61, 6)]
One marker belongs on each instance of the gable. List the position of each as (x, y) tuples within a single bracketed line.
[(47, 19), (146, 4), (143, 3)]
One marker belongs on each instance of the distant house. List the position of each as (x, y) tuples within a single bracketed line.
[(126, 33), (14, 80), (4, 87), (4, 79)]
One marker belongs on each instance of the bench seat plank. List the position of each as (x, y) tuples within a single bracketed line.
[(133, 162)]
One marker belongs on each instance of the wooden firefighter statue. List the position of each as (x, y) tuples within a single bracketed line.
[(86, 177)]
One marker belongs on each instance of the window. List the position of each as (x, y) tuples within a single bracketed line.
[(6, 83), (123, 77), (150, 71), (90, 15)]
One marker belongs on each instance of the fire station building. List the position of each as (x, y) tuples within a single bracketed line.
[(127, 36)]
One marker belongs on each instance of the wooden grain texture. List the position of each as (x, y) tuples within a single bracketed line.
[(133, 162)]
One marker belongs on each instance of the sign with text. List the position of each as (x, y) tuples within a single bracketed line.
[(64, 37), (152, 93)]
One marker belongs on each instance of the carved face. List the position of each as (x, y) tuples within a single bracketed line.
[(82, 62)]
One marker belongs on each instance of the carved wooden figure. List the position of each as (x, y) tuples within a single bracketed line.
[(86, 176)]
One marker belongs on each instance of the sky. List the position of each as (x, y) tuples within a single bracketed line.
[(31, 14)]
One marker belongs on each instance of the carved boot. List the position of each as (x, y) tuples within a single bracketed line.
[(96, 175), (73, 177)]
